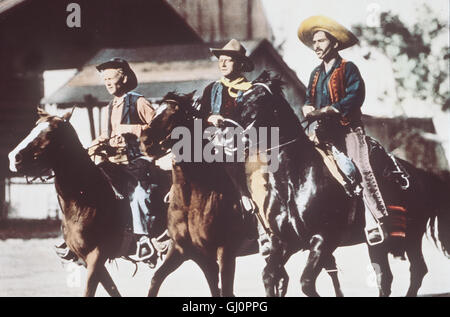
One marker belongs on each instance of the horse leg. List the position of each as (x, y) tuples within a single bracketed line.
[(283, 282), (108, 283), (210, 269), (173, 261), (227, 267), (331, 268), (313, 266), (418, 267), (94, 264), (274, 273), (380, 263)]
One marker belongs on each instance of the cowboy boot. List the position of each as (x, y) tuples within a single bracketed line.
[(249, 211), (63, 251)]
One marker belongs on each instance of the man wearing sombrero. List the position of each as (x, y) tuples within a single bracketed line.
[(219, 100), (337, 88), (128, 112)]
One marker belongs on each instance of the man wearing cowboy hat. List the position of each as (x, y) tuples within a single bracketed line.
[(128, 112), (220, 99), (337, 88)]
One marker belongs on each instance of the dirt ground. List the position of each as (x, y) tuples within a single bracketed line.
[(31, 268)]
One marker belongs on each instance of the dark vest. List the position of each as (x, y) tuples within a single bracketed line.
[(337, 92), (130, 113), (216, 97)]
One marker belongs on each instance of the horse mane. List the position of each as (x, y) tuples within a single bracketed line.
[(273, 81), (184, 101), (290, 124), (178, 97)]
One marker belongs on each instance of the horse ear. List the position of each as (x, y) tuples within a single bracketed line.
[(66, 117), (41, 112), (191, 94)]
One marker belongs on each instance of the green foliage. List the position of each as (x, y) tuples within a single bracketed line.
[(419, 54)]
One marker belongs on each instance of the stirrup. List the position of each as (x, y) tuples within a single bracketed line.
[(144, 249), (381, 234)]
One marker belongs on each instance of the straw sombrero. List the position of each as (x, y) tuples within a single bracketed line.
[(236, 50), (316, 23)]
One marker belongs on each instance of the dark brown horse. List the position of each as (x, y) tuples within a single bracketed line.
[(308, 210), (94, 221), (204, 217)]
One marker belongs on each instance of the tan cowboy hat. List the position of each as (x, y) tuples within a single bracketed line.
[(116, 63), (316, 23), (236, 50)]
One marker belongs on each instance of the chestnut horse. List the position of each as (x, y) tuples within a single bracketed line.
[(308, 210), (94, 221), (204, 216)]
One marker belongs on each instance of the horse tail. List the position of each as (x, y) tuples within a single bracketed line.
[(440, 219)]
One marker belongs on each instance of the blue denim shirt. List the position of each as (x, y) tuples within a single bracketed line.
[(354, 89)]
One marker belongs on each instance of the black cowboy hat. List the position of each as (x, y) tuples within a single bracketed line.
[(115, 63), (236, 50)]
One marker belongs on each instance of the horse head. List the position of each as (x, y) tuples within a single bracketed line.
[(174, 110), (32, 157), (256, 105), (265, 106)]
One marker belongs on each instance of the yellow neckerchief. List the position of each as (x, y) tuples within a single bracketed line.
[(239, 83)]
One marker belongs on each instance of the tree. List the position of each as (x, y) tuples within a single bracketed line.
[(419, 54)]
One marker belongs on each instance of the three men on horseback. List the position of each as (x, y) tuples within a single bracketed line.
[(128, 114), (337, 89)]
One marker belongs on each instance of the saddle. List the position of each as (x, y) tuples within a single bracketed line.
[(329, 136), (138, 174)]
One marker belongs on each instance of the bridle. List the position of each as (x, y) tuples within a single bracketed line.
[(43, 179), (167, 139)]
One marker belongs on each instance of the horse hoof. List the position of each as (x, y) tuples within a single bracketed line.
[(282, 287), (310, 291), (339, 294)]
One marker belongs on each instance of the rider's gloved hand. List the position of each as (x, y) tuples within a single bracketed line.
[(329, 110), (307, 109), (322, 113), (216, 120), (117, 141)]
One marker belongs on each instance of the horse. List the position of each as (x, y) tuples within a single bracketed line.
[(95, 222), (204, 217), (202, 220), (307, 209)]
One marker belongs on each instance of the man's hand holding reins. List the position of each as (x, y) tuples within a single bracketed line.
[(216, 120), (325, 112), (307, 109)]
